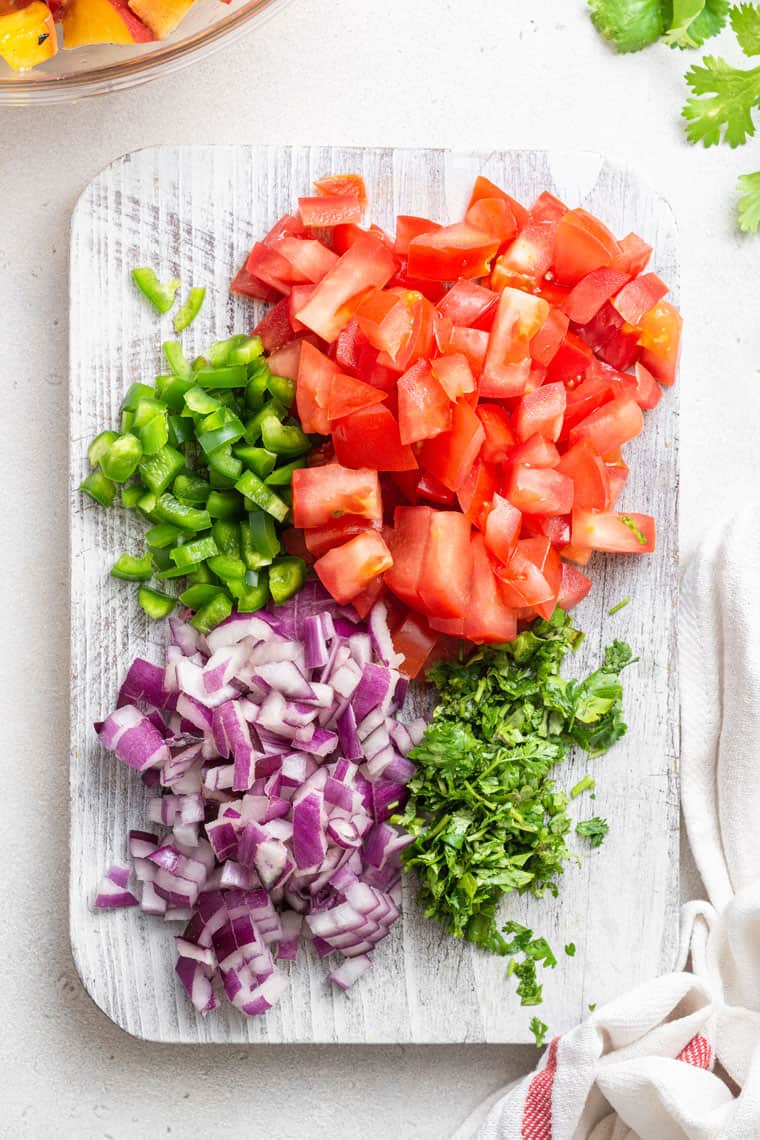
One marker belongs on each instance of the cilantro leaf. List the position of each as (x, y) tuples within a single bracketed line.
[(684, 14), (629, 25), (539, 1030), (593, 829), (707, 23), (570, 949), (730, 95), (749, 203), (745, 20)]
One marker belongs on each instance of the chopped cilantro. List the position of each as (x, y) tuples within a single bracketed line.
[(570, 949), (539, 1030), (593, 829), (582, 786), (620, 605), (592, 1006), (749, 203)]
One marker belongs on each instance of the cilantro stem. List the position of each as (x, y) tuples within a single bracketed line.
[(618, 607), (582, 786)]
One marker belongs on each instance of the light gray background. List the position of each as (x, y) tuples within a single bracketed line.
[(461, 73)]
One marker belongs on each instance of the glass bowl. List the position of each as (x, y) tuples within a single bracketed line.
[(102, 68)]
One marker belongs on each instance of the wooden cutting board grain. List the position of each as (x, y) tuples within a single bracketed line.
[(195, 212)]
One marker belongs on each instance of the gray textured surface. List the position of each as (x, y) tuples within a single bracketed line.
[(66, 1069), (194, 212)]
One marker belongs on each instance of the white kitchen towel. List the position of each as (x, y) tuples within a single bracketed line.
[(643, 1067)]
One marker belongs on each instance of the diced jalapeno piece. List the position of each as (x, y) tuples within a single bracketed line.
[(133, 395), (286, 576), (162, 535), (212, 613), (158, 471), (120, 461), (225, 463), (226, 535), (282, 476), (155, 603), (168, 509), (284, 439), (130, 496), (99, 488), (256, 459), (191, 489), (160, 296), (250, 597), (227, 566), (282, 389), (191, 553), (200, 595), (100, 446), (264, 534), (252, 487), (132, 569), (272, 408), (181, 430), (221, 376), (224, 505), (175, 358), (199, 402), (188, 311)]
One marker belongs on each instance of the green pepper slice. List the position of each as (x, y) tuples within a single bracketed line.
[(286, 577), (188, 311), (155, 603), (160, 296), (132, 569), (120, 461), (99, 488)]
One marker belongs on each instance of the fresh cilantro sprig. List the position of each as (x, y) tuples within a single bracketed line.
[(594, 830), (539, 1029), (630, 25), (484, 810)]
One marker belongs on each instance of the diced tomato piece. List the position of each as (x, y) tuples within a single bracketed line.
[(546, 558), (661, 340), (336, 210), (582, 244), (348, 570), (497, 426), (284, 362), (546, 343), (466, 302), (484, 188), (454, 375), (535, 452), (528, 258), (370, 438), (453, 251), (648, 391), (540, 491), (244, 284), (341, 238), (323, 494), (554, 527), (570, 361), (269, 265), (574, 587), (385, 318), (275, 328), (367, 264), (433, 490), (471, 343), (343, 186), (493, 216), (578, 554), (507, 365), (531, 578), (348, 346), (308, 258), (347, 395), (639, 296), (286, 226), (488, 617), (595, 389), (541, 412), (634, 255), (407, 541), (424, 409), (617, 474), (368, 369), (364, 601), (610, 425), (451, 455), (587, 297), (444, 585), (297, 298), (313, 384), (583, 464), (420, 342), (334, 532), (616, 533), (415, 641), (477, 491), (502, 529), (408, 227), (610, 338), (547, 208)]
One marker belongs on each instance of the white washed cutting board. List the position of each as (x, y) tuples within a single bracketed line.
[(195, 212)]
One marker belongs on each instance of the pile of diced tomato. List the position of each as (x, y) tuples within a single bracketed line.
[(475, 384)]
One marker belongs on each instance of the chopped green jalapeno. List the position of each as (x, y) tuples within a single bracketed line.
[(188, 311), (252, 487), (191, 553), (162, 535), (221, 376), (160, 296), (168, 509), (200, 595), (158, 471), (132, 569), (175, 358), (130, 496), (191, 489), (212, 613), (281, 476), (120, 461), (256, 459), (99, 488), (286, 576), (282, 389), (100, 446), (226, 566), (284, 439), (155, 603)]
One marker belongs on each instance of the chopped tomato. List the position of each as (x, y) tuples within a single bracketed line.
[(444, 585), (334, 532), (528, 258), (547, 341), (535, 452), (507, 365), (284, 362), (419, 344), (424, 409), (407, 227), (540, 490), (661, 340), (367, 264), (346, 395), (450, 252), (587, 297), (364, 601), (500, 439), (313, 384), (477, 492), (244, 284), (433, 490), (297, 298), (488, 618), (484, 188), (415, 641), (269, 266), (610, 338), (595, 389), (502, 529), (493, 216), (466, 303), (524, 582), (308, 258), (610, 425), (371, 438), (323, 494), (335, 210), (343, 186), (470, 343), (275, 328), (341, 238), (634, 255), (451, 455), (385, 318), (407, 542), (287, 225), (547, 208), (349, 345), (583, 464), (574, 587), (582, 244), (454, 375), (578, 554), (616, 533), (348, 570), (570, 361), (648, 392), (639, 297), (541, 412)]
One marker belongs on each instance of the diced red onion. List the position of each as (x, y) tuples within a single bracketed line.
[(113, 892)]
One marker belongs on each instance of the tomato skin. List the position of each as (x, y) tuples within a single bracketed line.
[(582, 244), (634, 255), (322, 494), (493, 216), (592, 291), (367, 264), (348, 570), (541, 412), (348, 346), (499, 437), (444, 586), (451, 455), (547, 208), (607, 335), (466, 302), (528, 258), (470, 343), (606, 530), (319, 539), (507, 365), (648, 392), (547, 341), (343, 237), (346, 395), (450, 252), (433, 491), (611, 425), (385, 318), (275, 328), (540, 490), (343, 185), (502, 529), (523, 580), (297, 298), (371, 438), (535, 452), (454, 375), (484, 188), (477, 492), (488, 618), (583, 464), (415, 640), (408, 227), (661, 341), (364, 601), (406, 541), (424, 409), (307, 257), (570, 361), (639, 297), (244, 284), (325, 211), (574, 587), (313, 383)]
